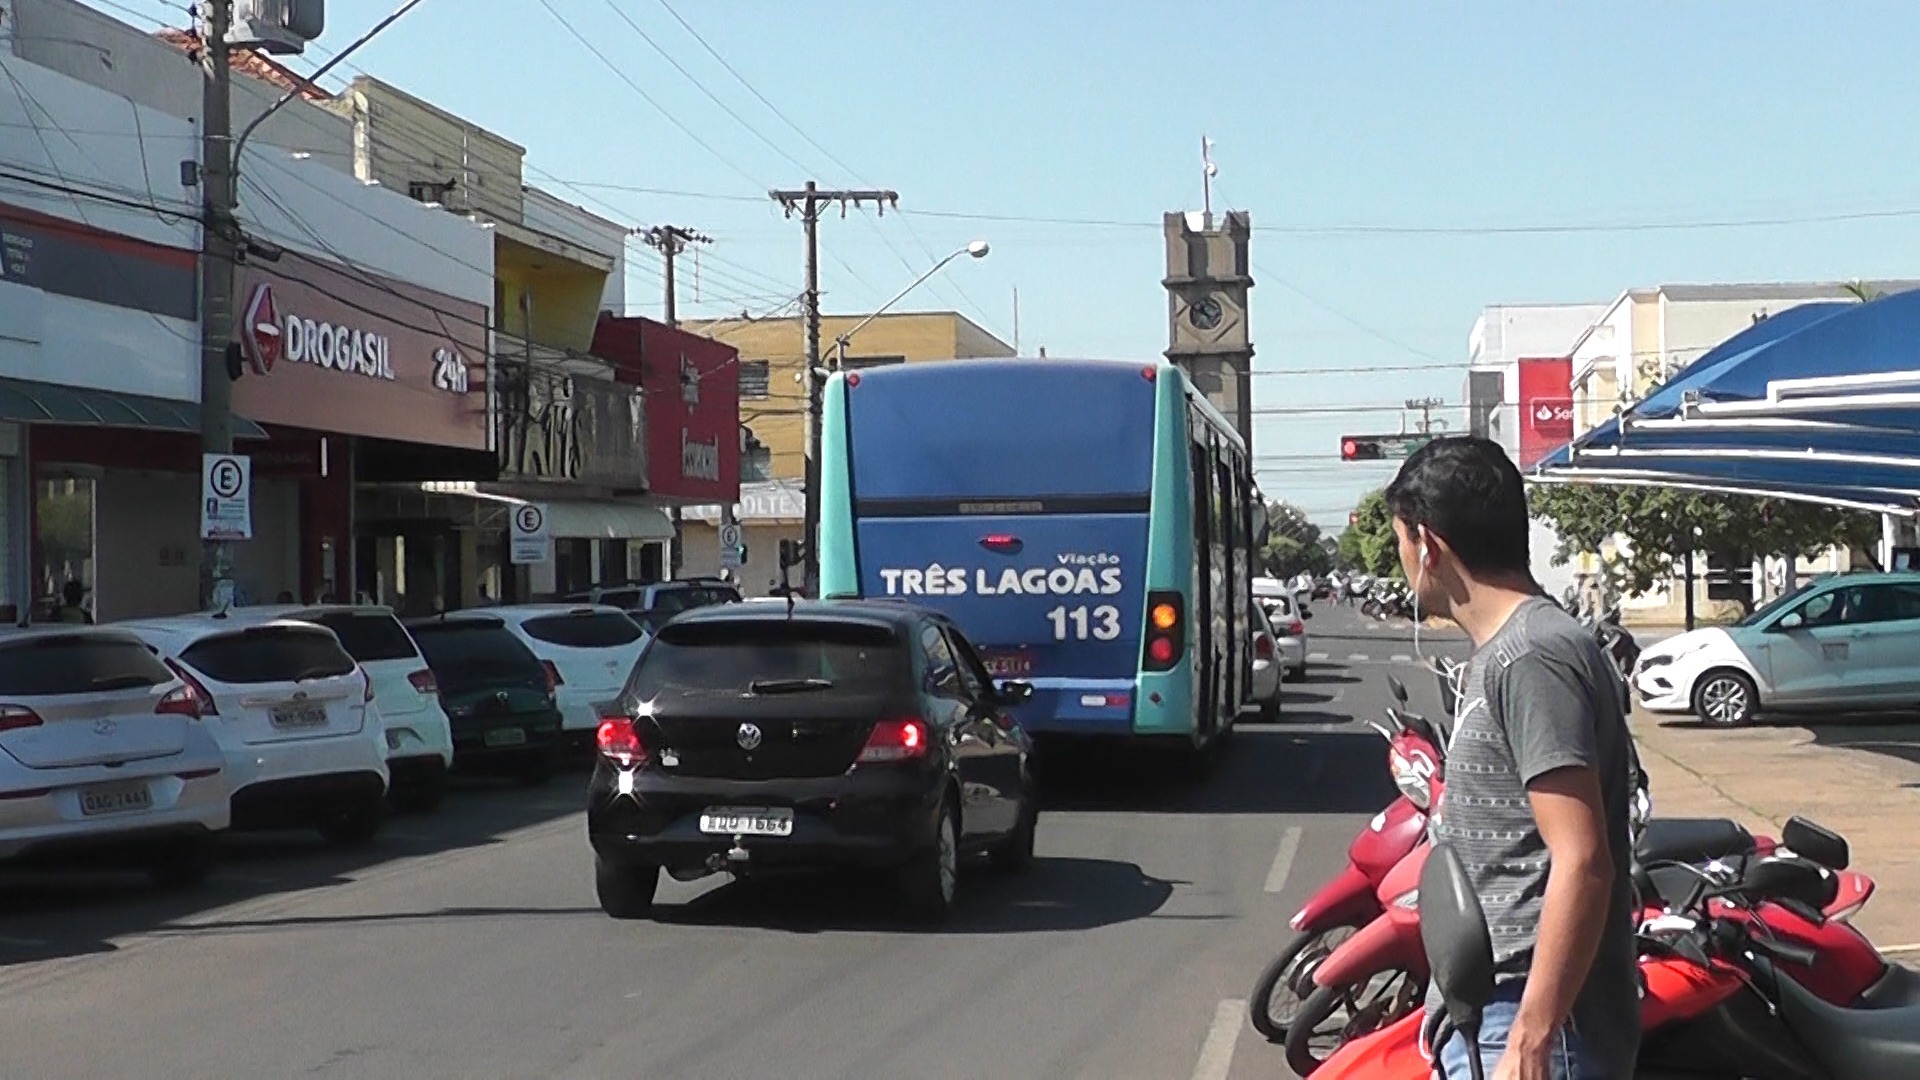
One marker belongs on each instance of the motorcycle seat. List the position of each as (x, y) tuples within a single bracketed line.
[(1691, 840), (1852, 1042), (1899, 988)]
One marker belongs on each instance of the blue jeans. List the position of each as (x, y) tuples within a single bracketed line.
[(1568, 1059)]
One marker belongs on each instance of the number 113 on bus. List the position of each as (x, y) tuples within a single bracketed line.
[(1103, 622)]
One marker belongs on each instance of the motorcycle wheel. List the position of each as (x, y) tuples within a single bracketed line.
[(1333, 1016), (1280, 991)]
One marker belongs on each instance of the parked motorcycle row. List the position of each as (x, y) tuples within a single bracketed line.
[(1750, 965)]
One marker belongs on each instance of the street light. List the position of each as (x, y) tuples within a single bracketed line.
[(978, 249)]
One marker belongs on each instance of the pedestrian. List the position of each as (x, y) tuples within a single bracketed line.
[(71, 610), (1538, 777)]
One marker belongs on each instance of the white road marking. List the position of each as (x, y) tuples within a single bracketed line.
[(1335, 699), (1900, 949), (1317, 656), (1283, 859), (1216, 1054), (1402, 658), (1357, 656)]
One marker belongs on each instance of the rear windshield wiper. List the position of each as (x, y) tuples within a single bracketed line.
[(120, 682), (788, 686)]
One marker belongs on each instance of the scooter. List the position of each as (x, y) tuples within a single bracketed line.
[(1697, 968), (1350, 900)]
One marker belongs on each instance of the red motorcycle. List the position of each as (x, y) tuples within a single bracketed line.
[(1721, 999), (1351, 900)]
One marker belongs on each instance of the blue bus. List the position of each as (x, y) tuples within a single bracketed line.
[(1092, 526)]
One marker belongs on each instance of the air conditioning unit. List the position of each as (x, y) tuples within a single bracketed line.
[(282, 27)]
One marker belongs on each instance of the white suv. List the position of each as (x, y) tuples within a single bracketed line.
[(588, 650), (419, 738), (291, 709), (102, 751)]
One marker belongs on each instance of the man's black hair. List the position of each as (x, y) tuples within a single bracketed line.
[(1467, 491), (74, 592)]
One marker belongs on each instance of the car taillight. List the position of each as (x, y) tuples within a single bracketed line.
[(1166, 630), (15, 717), (424, 681), (554, 681), (207, 706), (1262, 647), (895, 740), (183, 700), (619, 742), (1296, 628)]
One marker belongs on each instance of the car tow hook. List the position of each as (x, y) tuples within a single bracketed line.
[(733, 862)]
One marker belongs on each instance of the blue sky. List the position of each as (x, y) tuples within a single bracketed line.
[(1470, 118)]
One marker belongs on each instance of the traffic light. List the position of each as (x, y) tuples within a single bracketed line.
[(1360, 448)]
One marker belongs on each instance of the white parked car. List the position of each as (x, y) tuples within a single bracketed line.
[(293, 713), (103, 755), (588, 650), (1287, 616), (419, 737), (1837, 644), (1267, 664)]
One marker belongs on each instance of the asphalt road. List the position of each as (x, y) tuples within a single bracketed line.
[(468, 943)]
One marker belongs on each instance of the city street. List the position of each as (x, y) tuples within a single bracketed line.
[(469, 943)]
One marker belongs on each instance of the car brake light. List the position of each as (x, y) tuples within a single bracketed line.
[(424, 681), (554, 681), (1296, 628), (619, 742), (895, 740), (207, 706), (15, 717), (183, 700), (1262, 647)]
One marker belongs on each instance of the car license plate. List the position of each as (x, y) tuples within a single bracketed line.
[(1008, 665), (299, 716), (115, 799), (507, 736), (747, 821)]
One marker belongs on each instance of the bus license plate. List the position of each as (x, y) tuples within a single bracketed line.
[(1008, 665), (746, 821), (115, 799)]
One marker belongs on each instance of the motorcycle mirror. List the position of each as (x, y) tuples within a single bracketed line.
[(1399, 689), (1453, 928), (1822, 845)]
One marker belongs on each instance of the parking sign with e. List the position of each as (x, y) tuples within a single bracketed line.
[(532, 541), (226, 497)]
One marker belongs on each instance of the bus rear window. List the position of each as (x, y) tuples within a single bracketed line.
[(1001, 432)]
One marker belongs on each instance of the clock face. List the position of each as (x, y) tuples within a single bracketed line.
[(1205, 313)]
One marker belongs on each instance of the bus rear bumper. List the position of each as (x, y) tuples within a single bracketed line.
[(1079, 707)]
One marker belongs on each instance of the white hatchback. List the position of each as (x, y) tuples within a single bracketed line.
[(588, 651), (292, 712), (103, 755), (419, 737)]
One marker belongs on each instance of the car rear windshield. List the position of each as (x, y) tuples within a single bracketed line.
[(729, 657), (589, 630), (41, 667), (464, 655), (671, 602), (620, 598), (369, 636), (269, 654)]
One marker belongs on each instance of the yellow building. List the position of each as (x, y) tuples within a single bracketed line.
[(772, 356)]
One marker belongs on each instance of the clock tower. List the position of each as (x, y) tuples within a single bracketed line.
[(1208, 277)]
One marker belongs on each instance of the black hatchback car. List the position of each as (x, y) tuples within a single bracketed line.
[(758, 736), (497, 694)]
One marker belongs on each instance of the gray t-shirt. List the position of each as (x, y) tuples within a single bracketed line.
[(1539, 696)]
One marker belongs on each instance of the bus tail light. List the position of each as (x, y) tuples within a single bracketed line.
[(1166, 636)]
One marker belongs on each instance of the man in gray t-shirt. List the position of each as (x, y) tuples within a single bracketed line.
[(1538, 777)]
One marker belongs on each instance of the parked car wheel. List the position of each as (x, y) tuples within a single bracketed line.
[(1725, 699), (182, 864), (1298, 674), (625, 891), (929, 881), (1270, 708), (356, 825)]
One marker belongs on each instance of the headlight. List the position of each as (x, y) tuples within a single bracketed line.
[(1655, 661)]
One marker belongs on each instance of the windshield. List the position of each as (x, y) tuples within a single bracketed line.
[(1778, 604)]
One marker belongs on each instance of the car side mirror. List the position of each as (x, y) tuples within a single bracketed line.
[(1013, 691), (1811, 841), (1453, 929), (1792, 620)]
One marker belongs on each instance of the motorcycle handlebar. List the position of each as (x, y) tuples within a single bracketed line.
[(1786, 952)]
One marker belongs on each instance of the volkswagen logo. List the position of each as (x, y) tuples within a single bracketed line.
[(748, 736)]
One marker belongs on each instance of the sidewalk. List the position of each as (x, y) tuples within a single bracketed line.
[(1861, 779)]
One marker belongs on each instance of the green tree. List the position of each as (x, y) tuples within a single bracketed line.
[(1369, 544), (1662, 524), (1294, 544)]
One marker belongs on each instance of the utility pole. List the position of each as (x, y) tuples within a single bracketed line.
[(219, 243), (1425, 407), (808, 201), (670, 241)]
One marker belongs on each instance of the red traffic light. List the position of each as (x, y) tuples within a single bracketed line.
[(1361, 448), (1349, 449)]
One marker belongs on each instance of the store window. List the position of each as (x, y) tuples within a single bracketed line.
[(63, 547)]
